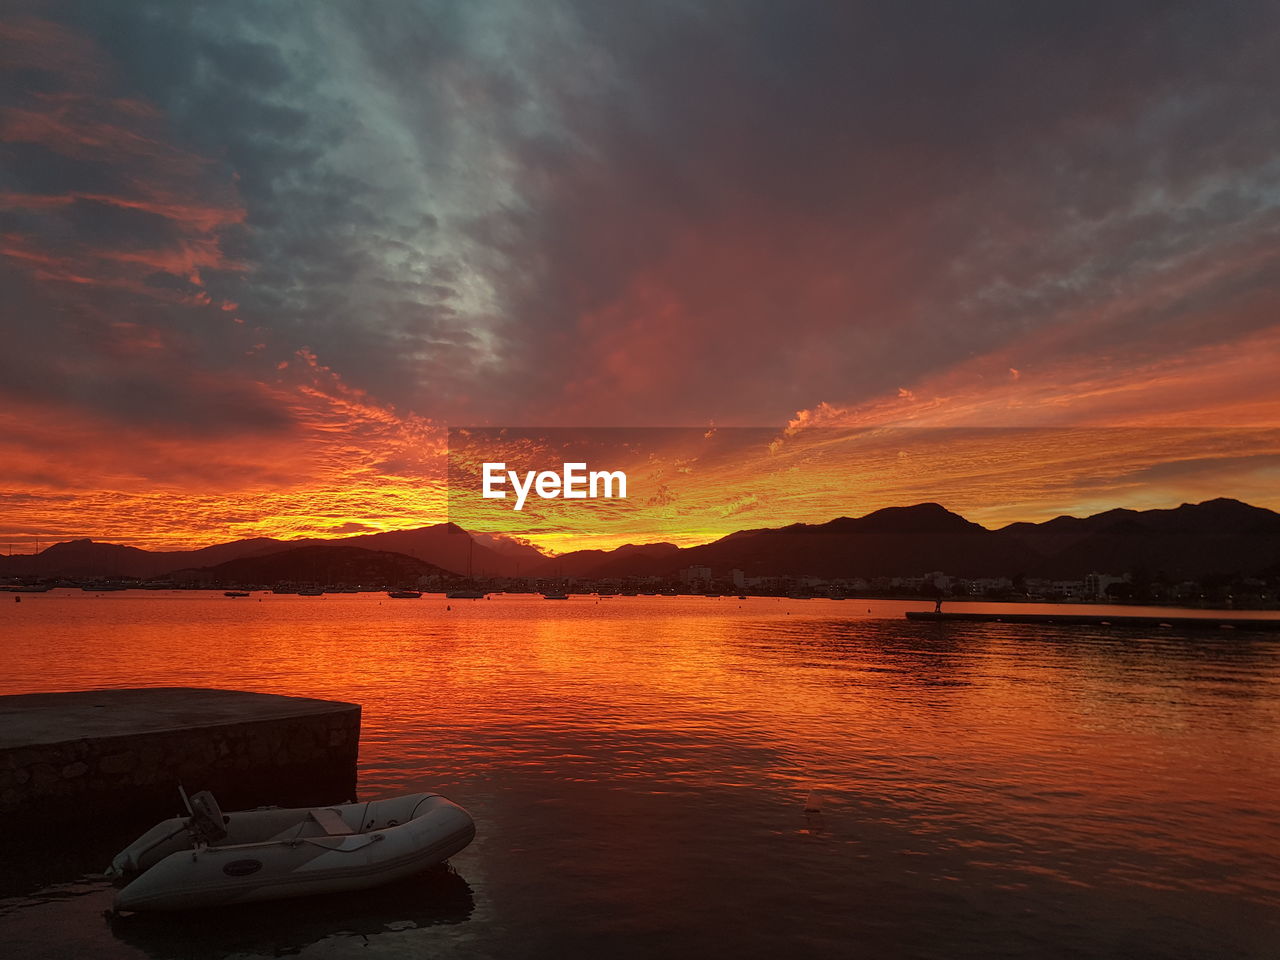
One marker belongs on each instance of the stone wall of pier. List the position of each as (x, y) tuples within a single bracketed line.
[(290, 761)]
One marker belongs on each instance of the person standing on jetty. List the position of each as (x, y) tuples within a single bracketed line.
[(937, 604)]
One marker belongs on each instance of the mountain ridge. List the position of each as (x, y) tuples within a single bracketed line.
[(1214, 536)]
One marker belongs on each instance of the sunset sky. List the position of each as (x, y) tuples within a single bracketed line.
[(257, 257)]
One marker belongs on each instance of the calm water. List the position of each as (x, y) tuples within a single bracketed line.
[(638, 769)]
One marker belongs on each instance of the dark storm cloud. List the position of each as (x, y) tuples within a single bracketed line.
[(670, 212), (338, 257), (954, 176)]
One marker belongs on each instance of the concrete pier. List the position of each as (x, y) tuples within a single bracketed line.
[(1213, 622), (122, 753)]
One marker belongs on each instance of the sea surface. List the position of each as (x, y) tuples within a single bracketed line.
[(639, 771)]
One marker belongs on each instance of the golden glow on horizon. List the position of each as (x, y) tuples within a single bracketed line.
[(319, 483), (347, 465)]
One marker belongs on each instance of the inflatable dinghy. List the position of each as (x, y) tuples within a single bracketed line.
[(211, 859)]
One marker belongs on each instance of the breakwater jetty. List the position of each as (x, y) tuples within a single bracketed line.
[(90, 754), (1104, 620)]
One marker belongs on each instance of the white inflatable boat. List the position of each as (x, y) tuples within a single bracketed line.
[(211, 859)]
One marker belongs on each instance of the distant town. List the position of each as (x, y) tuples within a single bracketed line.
[(1220, 592)]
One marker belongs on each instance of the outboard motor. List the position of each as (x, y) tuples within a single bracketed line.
[(207, 823), (204, 826)]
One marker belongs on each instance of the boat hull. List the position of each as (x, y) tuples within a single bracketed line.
[(292, 864)]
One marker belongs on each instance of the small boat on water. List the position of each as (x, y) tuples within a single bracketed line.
[(404, 594), (210, 859), (465, 595), (555, 596), (235, 593), (310, 592)]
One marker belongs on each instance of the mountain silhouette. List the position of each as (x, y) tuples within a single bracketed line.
[(1193, 540), (1216, 536), (444, 545), (320, 564), (629, 560), (896, 541)]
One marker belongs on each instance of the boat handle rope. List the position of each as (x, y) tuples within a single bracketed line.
[(319, 842), (413, 813)]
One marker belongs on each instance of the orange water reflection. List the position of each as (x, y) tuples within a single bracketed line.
[(1072, 772)]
